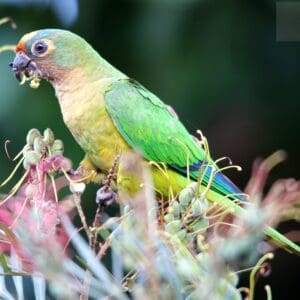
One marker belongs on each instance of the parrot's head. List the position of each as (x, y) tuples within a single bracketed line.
[(50, 54)]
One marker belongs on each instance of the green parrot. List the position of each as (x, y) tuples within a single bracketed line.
[(110, 114)]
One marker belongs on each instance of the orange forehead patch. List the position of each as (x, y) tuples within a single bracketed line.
[(21, 47), (22, 44)]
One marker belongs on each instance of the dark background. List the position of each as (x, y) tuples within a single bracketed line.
[(216, 62)]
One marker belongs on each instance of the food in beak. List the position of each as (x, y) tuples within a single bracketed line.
[(26, 70)]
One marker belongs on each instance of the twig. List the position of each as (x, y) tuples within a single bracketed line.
[(107, 182), (112, 174), (82, 217), (102, 249)]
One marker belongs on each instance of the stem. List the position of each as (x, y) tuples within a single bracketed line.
[(269, 292), (254, 271), (82, 217)]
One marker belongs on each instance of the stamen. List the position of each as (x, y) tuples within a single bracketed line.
[(15, 188), (238, 168), (224, 158), (267, 256), (54, 188), (7, 48), (6, 149), (12, 173), (8, 20)]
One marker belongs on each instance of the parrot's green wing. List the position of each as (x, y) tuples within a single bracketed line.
[(147, 125)]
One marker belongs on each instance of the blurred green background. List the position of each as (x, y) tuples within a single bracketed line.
[(216, 62)]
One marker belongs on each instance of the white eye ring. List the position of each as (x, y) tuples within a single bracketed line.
[(40, 48)]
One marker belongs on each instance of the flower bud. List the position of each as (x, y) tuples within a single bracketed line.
[(197, 208), (174, 209), (181, 234), (57, 147), (201, 224), (186, 196), (169, 218), (173, 226), (31, 157), (39, 146), (48, 137), (31, 135)]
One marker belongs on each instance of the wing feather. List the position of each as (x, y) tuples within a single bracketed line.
[(149, 126)]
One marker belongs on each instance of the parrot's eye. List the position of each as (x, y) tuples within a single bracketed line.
[(39, 48)]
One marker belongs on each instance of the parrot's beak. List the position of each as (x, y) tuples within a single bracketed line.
[(24, 67)]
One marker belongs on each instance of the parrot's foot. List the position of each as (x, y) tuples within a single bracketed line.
[(106, 196), (85, 175)]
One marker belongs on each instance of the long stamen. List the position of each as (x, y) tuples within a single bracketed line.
[(224, 158), (15, 188), (18, 155), (12, 173), (237, 167), (8, 20)]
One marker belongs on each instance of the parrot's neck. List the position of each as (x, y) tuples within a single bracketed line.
[(92, 69), (80, 87), (80, 93)]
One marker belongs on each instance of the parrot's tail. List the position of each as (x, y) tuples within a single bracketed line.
[(220, 184), (280, 240)]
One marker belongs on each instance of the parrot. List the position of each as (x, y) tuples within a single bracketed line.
[(110, 114)]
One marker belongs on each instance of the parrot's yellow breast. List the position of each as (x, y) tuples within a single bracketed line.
[(85, 115)]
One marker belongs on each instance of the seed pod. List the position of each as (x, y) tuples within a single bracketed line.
[(181, 234), (173, 226), (188, 238), (197, 208), (201, 224), (169, 218), (48, 137), (186, 196), (57, 147), (31, 135), (193, 185), (31, 157), (39, 145), (174, 209)]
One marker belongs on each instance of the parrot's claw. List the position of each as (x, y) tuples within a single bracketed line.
[(106, 196), (85, 175)]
